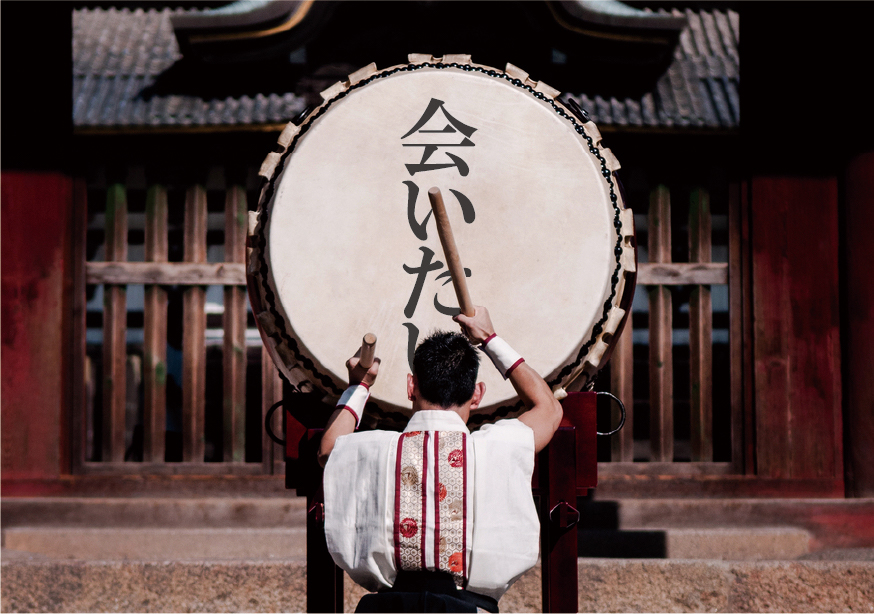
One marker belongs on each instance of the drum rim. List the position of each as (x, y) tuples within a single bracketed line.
[(568, 113)]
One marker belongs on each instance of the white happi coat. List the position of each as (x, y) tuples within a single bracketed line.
[(434, 497)]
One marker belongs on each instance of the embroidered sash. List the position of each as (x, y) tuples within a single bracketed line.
[(430, 521)]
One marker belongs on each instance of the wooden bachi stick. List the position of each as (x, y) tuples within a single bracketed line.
[(451, 252), (368, 349)]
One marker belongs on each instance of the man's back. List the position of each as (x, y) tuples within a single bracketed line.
[(434, 498)]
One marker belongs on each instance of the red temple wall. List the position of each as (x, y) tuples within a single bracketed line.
[(796, 327), (36, 214)]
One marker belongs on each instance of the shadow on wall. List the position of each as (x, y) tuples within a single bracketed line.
[(599, 535)]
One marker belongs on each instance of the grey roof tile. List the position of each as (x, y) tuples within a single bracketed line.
[(734, 20), (81, 96), (678, 78), (665, 105), (603, 111), (733, 99), (713, 38), (688, 40), (617, 110), (118, 54), (229, 111), (720, 101), (697, 24), (246, 110), (726, 36), (704, 102), (648, 110), (633, 112), (274, 108)]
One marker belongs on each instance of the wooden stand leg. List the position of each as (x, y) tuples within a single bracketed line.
[(568, 467), (324, 578), (303, 472), (558, 521)]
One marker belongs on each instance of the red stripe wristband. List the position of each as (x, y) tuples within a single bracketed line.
[(354, 399), (505, 358)]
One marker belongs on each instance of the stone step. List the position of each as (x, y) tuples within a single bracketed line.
[(613, 585), (835, 520), (745, 529), (248, 543), (191, 512), (158, 544)]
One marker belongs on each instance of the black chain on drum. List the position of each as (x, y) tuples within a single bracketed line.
[(282, 336)]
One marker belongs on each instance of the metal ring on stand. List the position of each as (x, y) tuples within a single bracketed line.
[(622, 421), (267, 420)]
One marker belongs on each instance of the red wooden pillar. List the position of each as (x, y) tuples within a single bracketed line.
[(859, 336), (796, 354), (37, 216)]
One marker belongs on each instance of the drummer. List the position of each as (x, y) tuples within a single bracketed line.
[(437, 518)]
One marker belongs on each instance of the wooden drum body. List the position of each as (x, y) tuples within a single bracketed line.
[(344, 243)]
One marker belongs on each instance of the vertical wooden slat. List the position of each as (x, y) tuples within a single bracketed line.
[(735, 328), (114, 329), (82, 401), (622, 385), (133, 381), (661, 369), (700, 333), (88, 453), (234, 354), (155, 331), (194, 332), (273, 455)]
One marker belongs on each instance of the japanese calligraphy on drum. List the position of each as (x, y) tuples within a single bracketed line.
[(345, 241)]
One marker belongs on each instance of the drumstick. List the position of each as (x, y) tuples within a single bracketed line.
[(368, 348), (451, 252)]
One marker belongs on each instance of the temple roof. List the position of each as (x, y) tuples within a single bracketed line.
[(129, 74)]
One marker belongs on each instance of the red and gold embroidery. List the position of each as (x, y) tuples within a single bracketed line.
[(409, 512), (409, 527), (431, 500), (452, 504), (455, 563)]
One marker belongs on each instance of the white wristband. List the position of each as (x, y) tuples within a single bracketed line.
[(502, 355), (354, 399)]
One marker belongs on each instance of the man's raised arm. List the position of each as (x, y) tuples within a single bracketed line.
[(350, 407), (544, 411)]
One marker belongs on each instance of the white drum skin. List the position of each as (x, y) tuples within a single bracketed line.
[(539, 235)]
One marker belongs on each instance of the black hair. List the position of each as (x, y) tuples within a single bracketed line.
[(445, 365)]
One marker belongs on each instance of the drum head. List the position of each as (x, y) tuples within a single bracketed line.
[(348, 245)]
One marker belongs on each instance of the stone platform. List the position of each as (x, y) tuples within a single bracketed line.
[(248, 554), (606, 585)]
